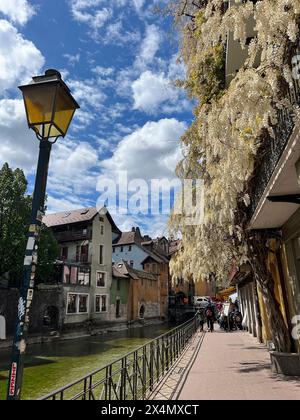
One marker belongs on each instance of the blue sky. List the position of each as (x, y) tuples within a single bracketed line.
[(119, 59)]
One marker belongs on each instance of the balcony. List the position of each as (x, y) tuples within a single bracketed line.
[(73, 236), (270, 157), (275, 173), (82, 260)]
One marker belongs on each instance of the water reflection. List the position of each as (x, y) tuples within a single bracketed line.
[(51, 365)]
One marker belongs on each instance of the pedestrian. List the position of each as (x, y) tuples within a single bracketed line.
[(210, 316), (201, 319)]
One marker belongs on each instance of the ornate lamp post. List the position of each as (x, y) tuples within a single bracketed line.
[(50, 108)]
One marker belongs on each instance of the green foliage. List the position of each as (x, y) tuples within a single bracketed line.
[(15, 208), (14, 217), (206, 77), (48, 253)]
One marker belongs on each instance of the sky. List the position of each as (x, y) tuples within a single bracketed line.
[(119, 59)]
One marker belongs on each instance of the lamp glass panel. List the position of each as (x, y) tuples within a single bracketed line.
[(39, 102), (64, 110), (49, 130)]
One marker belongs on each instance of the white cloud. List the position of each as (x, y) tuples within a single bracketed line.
[(138, 4), (177, 69), (72, 173), (86, 92), (55, 204), (103, 71), (18, 144), (105, 22), (151, 90), (150, 45), (19, 58), (18, 11), (86, 11), (117, 35), (150, 151), (72, 59)]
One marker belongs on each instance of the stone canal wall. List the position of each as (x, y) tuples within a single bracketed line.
[(48, 314), (45, 301)]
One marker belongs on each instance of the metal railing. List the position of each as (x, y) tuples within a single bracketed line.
[(135, 375)]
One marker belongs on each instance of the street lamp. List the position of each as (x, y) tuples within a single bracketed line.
[(50, 108)]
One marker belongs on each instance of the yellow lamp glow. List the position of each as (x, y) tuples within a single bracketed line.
[(49, 104)]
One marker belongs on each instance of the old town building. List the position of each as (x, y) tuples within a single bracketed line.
[(136, 294), (146, 254), (85, 238)]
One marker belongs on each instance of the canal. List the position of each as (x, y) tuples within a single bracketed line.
[(52, 365)]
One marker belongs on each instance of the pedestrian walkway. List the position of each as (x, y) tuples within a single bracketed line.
[(233, 366)]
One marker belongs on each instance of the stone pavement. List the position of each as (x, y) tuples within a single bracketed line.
[(167, 389), (233, 366)]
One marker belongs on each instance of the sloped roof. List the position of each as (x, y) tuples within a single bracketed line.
[(119, 272), (155, 255), (129, 238), (123, 270), (126, 238), (76, 216), (175, 246)]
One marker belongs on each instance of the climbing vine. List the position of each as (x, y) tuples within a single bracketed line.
[(231, 119)]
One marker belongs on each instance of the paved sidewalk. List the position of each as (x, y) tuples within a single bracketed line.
[(233, 366)]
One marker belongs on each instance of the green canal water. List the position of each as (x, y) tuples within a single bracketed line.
[(52, 365)]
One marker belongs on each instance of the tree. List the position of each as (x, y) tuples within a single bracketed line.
[(15, 207), (231, 124)]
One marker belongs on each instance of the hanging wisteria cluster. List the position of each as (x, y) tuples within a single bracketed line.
[(222, 144)]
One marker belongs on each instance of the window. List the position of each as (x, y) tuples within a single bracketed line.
[(72, 304), (77, 253), (84, 276), (66, 274), (102, 230), (131, 263), (83, 304), (77, 303), (84, 257), (118, 308), (64, 253), (101, 303), (84, 231), (101, 254), (130, 248), (101, 219), (122, 248), (114, 249), (101, 279)]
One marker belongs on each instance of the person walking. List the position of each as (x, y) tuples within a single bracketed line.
[(210, 316), (201, 316)]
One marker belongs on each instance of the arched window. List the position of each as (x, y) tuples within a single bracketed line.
[(142, 312), (51, 318)]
